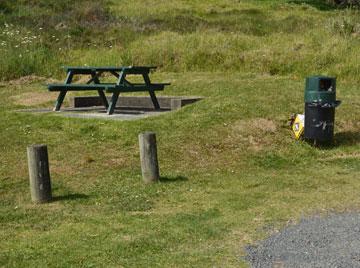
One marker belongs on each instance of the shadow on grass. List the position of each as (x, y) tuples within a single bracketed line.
[(347, 138), (70, 197), (318, 4), (169, 179)]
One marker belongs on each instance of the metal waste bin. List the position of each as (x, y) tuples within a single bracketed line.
[(320, 104)]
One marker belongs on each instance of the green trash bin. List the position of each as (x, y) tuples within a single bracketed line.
[(320, 104)]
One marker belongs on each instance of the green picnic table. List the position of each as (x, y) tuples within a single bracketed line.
[(120, 86)]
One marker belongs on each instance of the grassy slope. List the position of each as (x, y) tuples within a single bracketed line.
[(226, 180), (272, 37)]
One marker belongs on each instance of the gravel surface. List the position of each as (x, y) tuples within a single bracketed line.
[(333, 241)]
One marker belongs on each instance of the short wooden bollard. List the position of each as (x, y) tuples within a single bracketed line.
[(148, 157), (39, 174)]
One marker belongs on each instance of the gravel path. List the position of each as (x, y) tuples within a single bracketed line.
[(333, 241)]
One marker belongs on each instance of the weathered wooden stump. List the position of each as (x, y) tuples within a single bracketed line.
[(148, 157), (39, 174)]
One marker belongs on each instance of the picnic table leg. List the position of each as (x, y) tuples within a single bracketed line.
[(151, 92), (115, 96), (95, 78), (62, 94), (113, 102), (103, 98), (59, 100), (154, 99)]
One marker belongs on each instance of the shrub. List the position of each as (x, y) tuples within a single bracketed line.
[(5, 7), (344, 3)]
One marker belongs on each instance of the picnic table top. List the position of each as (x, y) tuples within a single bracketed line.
[(139, 69)]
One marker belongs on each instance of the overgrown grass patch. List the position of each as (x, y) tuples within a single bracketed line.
[(276, 38)]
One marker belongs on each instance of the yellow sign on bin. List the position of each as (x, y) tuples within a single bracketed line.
[(298, 126)]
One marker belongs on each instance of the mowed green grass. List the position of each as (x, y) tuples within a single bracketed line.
[(231, 171), (231, 174)]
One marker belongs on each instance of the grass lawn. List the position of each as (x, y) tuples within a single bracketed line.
[(231, 171), (231, 174)]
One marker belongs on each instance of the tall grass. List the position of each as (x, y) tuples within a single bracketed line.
[(277, 38), (277, 54), (35, 35), (22, 53)]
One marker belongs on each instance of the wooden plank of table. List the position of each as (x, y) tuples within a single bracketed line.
[(135, 88), (80, 87), (127, 69), (89, 70)]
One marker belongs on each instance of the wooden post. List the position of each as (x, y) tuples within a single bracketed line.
[(148, 157), (40, 185)]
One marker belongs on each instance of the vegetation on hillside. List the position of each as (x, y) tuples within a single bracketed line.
[(352, 3), (273, 37)]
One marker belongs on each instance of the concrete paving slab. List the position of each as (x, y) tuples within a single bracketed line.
[(100, 113), (130, 107)]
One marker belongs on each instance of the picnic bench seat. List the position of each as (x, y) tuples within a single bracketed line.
[(79, 87), (121, 86), (110, 87)]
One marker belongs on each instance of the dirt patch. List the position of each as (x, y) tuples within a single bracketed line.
[(58, 167), (256, 124), (34, 98), (29, 79), (253, 132), (116, 162), (264, 125), (83, 79), (256, 144), (53, 81)]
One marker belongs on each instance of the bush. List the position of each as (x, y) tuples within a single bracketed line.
[(345, 3), (5, 7)]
